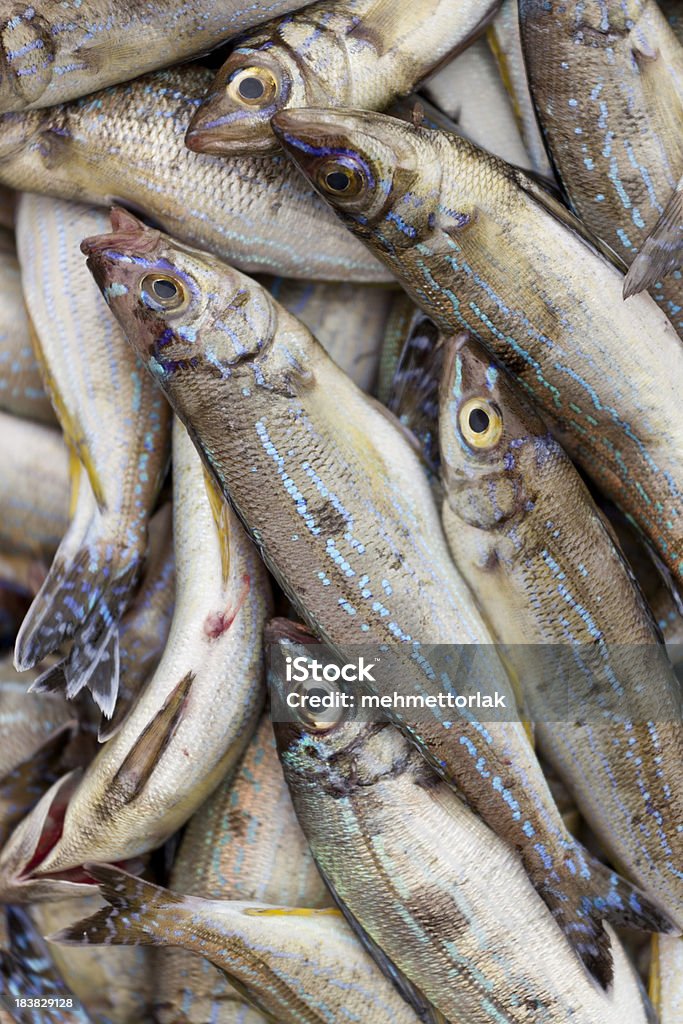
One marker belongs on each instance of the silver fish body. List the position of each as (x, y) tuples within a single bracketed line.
[(126, 144), (34, 488), (666, 978), (243, 843), (21, 386), (93, 378), (173, 747), (344, 517), (482, 248), (337, 53), (605, 702), (49, 55), (297, 966)]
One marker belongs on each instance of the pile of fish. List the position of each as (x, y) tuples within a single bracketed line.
[(336, 335)]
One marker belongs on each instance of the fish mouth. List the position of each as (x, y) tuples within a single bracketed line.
[(128, 233), (219, 131)]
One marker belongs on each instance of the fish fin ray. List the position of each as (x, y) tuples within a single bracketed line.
[(662, 251)]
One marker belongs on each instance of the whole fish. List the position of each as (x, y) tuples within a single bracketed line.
[(50, 54), (607, 82), (126, 144), (426, 882), (342, 513), (34, 488), (481, 247), (29, 975), (93, 377), (113, 985), (666, 978), (470, 90), (244, 843), (349, 321), (505, 40), (21, 386), (173, 748), (296, 966), (530, 542), (354, 53)]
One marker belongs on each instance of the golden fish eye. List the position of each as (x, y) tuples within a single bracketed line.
[(481, 423), (164, 292), (339, 179), (317, 719), (253, 87)]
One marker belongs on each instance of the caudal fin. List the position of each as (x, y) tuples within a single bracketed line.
[(132, 917), (604, 896), (662, 251), (82, 599)]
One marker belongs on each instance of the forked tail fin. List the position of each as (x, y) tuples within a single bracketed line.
[(662, 251)]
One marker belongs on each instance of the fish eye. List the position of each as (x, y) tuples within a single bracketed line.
[(481, 423), (310, 712), (253, 86), (340, 178), (165, 292)]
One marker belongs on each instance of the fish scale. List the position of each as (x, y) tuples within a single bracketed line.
[(343, 515), (481, 247)]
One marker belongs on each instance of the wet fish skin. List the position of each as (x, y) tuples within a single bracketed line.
[(530, 542), (505, 40), (125, 144), (316, 973), (356, 540), (349, 320), (661, 253), (93, 377), (244, 843), (611, 74), (666, 978), (33, 519), (355, 53), (430, 884), (21, 386), (472, 254), (173, 748), (48, 58)]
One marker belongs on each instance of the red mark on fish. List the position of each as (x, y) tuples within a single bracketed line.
[(218, 623)]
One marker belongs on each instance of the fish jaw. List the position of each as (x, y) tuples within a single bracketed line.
[(381, 154)]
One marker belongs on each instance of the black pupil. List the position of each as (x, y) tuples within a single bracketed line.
[(479, 421), (338, 181), (316, 691), (251, 88), (164, 289)]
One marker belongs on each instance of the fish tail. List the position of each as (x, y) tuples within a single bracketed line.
[(134, 916), (662, 251), (82, 599), (603, 896)]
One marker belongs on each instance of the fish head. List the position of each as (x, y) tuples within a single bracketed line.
[(493, 445), (27, 54), (380, 175), (256, 81)]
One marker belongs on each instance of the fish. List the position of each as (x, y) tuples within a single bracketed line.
[(7, 201), (244, 843), (471, 91), (29, 975), (125, 145), (561, 599), (505, 40), (93, 377), (666, 979), (399, 325), (33, 519), (661, 253), (342, 513), (173, 748), (278, 956), (355, 53), (607, 82), (482, 248), (21, 386), (425, 881), (112, 985), (49, 56), (348, 320)]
